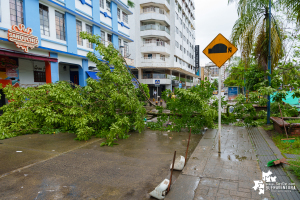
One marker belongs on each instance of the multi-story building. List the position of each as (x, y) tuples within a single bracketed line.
[(164, 34), (50, 28), (213, 72)]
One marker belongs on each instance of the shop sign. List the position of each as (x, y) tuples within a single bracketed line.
[(11, 72), (38, 68), (22, 37)]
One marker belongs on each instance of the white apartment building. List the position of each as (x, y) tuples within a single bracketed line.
[(213, 72), (164, 43)]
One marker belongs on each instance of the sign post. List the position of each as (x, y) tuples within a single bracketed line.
[(219, 51), (157, 84)]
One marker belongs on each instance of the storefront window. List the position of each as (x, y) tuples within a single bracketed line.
[(39, 76), (103, 37), (16, 12), (102, 4), (44, 20), (108, 5)]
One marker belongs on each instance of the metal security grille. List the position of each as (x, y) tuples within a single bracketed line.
[(78, 30), (39, 76), (44, 20), (16, 12), (60, 25)]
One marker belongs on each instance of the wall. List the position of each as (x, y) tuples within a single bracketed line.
[(26, 71)]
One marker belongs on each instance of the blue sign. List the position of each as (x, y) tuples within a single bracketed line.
[(180, 85), (157, 82), (232, 92)]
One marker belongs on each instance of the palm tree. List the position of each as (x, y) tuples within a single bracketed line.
[(293, 7), (250, 32), (130, 3)]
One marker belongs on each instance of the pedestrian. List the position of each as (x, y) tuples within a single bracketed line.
[(154, 94)]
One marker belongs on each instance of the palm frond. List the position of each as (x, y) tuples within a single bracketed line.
[(130, 4)]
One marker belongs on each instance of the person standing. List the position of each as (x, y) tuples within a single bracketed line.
[(154, 94)]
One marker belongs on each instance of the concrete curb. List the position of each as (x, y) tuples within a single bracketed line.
[(279, 155)]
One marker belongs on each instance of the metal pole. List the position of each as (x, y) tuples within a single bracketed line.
[(269, 64), (157, 93), (171, 172), (219, 93)]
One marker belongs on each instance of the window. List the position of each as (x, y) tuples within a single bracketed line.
[(177, 31), (60, 25), (125, 17), (177, 16), (109, 38), (108, 5), (103, 37), (179, 61), (176, 44), (39, 76), (44, 20), (89, 29), (126, 49), (102, 4), (184, 50), (180, 21), (119, 14), (183, 25), (78, 30), (180, 34), (180, 47), (16, 12), (175, 58)]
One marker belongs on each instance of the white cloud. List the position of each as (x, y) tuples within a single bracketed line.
[(213, 17)]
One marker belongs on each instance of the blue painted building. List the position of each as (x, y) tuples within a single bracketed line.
[(60, 54)]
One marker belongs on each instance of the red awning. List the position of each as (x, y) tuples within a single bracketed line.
[(11, 53)]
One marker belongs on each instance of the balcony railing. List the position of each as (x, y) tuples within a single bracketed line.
[(155, 27), (155, 59), (154, 43), (155, 10), (156, 76)]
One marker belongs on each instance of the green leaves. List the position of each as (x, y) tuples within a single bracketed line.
[(108, 108)]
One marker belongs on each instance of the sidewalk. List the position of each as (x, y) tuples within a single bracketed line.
[(230, 175)]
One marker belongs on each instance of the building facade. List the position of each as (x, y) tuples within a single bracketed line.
[(213, 72), (164, 46), (50, 30)]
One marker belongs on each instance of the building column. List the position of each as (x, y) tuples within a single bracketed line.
[(71, 37), (70, 4), (96, 10), (32, 17), (96, 31), (48, 71), (54, 69), (185, 80), (140, 74), (171, 80), (115, 41), (82, 72)]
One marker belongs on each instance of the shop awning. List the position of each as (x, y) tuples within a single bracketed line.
[(11, 53), (93, 75)]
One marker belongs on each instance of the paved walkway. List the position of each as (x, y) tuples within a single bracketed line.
[(231, 174)]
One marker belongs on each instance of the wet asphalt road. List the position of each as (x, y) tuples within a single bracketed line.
[(58, 167)]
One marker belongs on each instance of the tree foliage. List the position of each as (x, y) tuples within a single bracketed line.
[(189, 109), (108, 108)]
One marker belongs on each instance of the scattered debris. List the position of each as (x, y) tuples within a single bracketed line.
[(19, 151), (160, 191), (179, 163)]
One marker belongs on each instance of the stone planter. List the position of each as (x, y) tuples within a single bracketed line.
[(293, 129)]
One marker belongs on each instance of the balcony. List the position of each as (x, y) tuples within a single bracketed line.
[(166, 3), (155, 27), (155, 47), (155, 30), (154, 13), (155, 62)]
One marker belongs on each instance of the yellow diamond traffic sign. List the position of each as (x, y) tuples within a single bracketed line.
[(219, 50)]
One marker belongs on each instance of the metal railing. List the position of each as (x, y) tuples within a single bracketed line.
[(155, 27), (155, 43), (155, 10), (156, 76), (155, 59)]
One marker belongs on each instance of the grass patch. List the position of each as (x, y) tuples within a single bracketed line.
[(294, 169), (269, 127), (293, 121), (290, 148)]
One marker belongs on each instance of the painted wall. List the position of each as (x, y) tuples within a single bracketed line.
[(84, 8), (26, 72), (64, 74)]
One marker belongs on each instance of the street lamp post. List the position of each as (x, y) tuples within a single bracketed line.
[(269, 65)]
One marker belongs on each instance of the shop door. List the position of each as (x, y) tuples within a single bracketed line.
[(74, 77)]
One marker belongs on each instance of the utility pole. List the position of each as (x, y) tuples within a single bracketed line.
[(269, 64)]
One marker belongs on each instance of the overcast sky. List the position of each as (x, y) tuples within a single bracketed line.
[(213, 17)]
